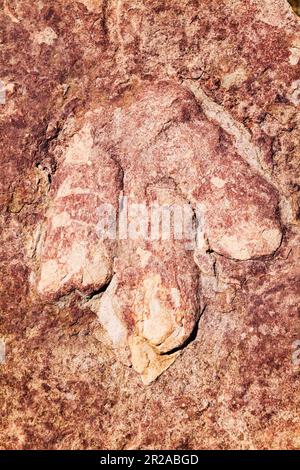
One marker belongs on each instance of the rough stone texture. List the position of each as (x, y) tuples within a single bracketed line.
[(173, 102)]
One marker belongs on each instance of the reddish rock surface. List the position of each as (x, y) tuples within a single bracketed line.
[(180, 102)]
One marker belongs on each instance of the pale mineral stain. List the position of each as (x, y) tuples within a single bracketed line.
[(49, 276), (144, 255), (218, 182), (61, 220), (81, 148), (273, 238), (91, 5), (235, 247), (294, 55), (237, 77), (76, 257), (294, 92), (46, 36), (110, 319), (175, 296)]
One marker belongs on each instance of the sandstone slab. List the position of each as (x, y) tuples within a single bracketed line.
[(182, 104)]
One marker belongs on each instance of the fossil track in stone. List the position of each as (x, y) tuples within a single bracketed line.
[(159, 148)]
